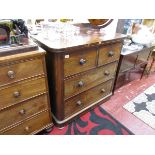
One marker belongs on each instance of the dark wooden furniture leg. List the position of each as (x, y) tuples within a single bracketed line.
[(143, 71), (151, 66)]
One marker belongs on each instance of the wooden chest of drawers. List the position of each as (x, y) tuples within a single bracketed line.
[(24, 99), (80, 75)]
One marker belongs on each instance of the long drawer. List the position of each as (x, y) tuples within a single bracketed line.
[(21, 91), (109, 53), (22, 110), (89, 79), (79, 61), (14, 72), (29, 126), (86, 98)]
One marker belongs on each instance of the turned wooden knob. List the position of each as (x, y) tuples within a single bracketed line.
[(11, 74), (78, 102), (82, 61), (106, 73), (16, 94), (81, 84), (111, 53), (27, 128), (102, 90), (22, 112)]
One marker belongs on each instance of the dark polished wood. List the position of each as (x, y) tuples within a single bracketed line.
[(80, 61), (152, 60), (109, 53), (55, 72), (129, 64), (89, 79), (81, 72), (82, 100), (83, 40)]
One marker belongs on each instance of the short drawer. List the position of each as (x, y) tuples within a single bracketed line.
[(21, 70), (21, 91), (89, 79), (30, 126), (109, 53), (22, 110), (77, 62), (86, 98)]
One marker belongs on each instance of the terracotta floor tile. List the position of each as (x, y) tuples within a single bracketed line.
[(122, 96), (133, 123)]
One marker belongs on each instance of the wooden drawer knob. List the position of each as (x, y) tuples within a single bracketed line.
[(11, 74), (16, 94), (106, 73), (111, 53), (82, 61), (81, 84), (27, 128), (22, 112), (102, 90), (79, 103)]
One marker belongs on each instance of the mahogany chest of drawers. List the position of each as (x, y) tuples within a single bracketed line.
[(81, 73), (24, 99)]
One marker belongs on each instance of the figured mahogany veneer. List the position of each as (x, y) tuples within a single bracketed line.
[(109, 53), (89, 79), (80, 61), (87, 98), (81, 72)]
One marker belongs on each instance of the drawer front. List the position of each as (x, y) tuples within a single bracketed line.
[(21, 91), (15, 72), (30, 126), (23, 110), (79, 62), (82, 100), (109, 53), (88, 80)]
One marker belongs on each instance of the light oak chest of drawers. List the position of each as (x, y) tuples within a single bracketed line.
[(80, 75), (24, 99)]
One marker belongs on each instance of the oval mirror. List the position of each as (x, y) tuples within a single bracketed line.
[(99, 23)]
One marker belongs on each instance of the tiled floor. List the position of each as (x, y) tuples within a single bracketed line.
[(122, 96)]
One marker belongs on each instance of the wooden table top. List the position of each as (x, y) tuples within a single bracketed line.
[(87, 37)]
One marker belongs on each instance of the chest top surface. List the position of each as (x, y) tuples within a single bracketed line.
[(83, 39)]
